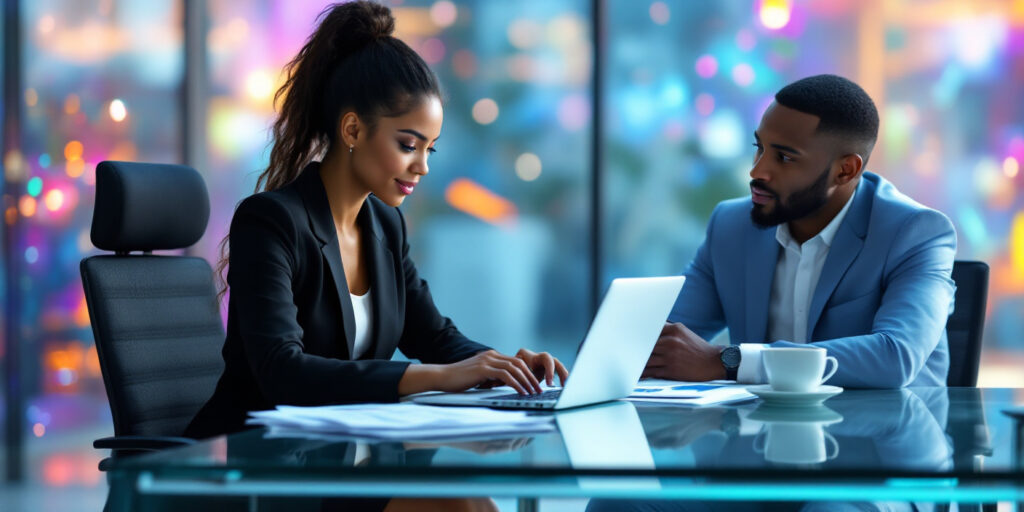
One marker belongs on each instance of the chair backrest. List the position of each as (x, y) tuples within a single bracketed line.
[(155, 318), (967, 323)]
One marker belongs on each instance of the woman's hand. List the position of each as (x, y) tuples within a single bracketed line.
[(544, 365), (486, 369)]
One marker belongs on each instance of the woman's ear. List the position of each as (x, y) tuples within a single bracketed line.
[(351, 129)]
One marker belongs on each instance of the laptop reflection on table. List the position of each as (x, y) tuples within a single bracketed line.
[(611, 358), (607, 437)]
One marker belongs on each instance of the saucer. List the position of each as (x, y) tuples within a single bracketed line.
[(794, 398), (815, 413)]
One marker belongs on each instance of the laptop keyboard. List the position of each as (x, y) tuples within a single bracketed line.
[(547, 395)]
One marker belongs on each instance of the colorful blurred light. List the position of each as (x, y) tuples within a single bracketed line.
[(528, 166), (14, 166), (707, 66), (31, 97), (659, 13), (34, 187), (464, 64), (775, 14), (31, 255), (27, 206), (259, 85), (705, 104), (745, 40), (74, 168), (117, 110), (72, 104), (976, 41), (1016, 243), (73, 150), (44, 160), (722, 135), (432, 50), (46, 24), (54, 199), (485, 111), (525, 33), (443, 13), (39, 430), (474, 199), (11, 215), (743, 74), (573, 112), (1011, 167)]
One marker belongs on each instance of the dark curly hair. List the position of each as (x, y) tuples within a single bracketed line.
[(844, 109)]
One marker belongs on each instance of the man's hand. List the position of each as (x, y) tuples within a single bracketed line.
[(682, 355)]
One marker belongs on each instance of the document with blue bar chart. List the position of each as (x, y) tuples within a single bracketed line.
[(690, 393)]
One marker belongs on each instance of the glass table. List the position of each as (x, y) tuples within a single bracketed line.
[(913, 445)]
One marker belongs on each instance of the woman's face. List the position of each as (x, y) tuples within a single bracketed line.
[(393, 160)]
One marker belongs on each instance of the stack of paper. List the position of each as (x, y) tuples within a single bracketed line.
[(405, 421), (690, 393)]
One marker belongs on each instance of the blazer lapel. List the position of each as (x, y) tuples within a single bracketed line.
[(383, 282), (319, 211), (845, 247), (762, 255)]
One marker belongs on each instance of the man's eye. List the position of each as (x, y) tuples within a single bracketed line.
[(784, 158)]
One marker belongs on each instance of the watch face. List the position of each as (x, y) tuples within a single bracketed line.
[(731, 357)]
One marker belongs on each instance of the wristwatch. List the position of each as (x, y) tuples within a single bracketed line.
[(731, 361)]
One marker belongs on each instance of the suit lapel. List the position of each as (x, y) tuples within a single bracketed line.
[(383, 283), (318, 209), (762, 255), (845, 247)]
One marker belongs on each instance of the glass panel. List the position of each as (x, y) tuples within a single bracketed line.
[(101, 83), (499, 227), (681, 119)]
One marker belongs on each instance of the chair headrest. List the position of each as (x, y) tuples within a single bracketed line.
[(145, 207)]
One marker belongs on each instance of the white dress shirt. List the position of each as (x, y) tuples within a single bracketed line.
[(363, 309), (796, 277)]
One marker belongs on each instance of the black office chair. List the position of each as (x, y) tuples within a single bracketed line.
[(155, 318), (967, 323)]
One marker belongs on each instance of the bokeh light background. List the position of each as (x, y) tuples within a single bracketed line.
[(501, 225)]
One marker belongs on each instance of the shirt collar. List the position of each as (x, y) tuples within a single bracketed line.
[(826, 235)]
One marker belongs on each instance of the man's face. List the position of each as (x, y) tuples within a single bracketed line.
[(791, 176)]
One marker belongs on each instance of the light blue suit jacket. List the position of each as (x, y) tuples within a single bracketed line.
[(880, 306)]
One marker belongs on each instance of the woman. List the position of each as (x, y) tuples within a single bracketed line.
[(322, 287)]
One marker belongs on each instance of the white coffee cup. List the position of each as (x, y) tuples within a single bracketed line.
[(797, 369), (795, 443)]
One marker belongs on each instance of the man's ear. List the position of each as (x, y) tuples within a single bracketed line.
[(350, 129), (850, 168)]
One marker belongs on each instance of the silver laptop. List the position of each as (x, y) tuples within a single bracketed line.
[(611, 359)]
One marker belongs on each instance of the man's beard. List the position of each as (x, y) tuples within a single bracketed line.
[(800, 204)]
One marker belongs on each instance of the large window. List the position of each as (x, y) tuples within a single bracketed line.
[(101, 82)]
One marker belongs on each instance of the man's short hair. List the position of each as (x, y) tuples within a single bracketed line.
[(844, 109)]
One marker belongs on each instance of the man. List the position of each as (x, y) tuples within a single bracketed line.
[(822, 252)]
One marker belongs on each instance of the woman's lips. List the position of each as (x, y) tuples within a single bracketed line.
[(405, 187), (759, 196)]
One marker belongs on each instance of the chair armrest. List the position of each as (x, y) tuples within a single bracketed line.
[(140, 443)]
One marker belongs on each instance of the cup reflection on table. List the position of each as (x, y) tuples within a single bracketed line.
[(796, 435)]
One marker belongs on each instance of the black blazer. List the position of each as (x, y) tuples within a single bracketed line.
[(290, 320)]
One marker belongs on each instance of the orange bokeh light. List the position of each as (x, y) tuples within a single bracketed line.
[(472, 198), (73, 150), (27, 206)]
